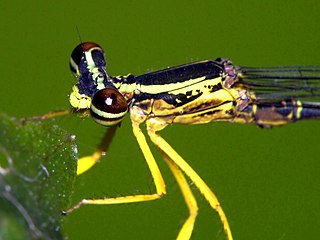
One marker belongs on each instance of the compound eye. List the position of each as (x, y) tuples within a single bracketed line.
[(89, 51), (108, 107)]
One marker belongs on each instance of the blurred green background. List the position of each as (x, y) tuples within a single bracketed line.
[(267, 180)]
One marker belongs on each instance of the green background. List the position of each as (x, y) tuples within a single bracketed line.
[(267, 180)]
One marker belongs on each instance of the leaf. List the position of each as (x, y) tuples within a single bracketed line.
[(37, 173)]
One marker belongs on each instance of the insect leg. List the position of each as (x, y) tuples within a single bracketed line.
[(187, 228), (49, 115), (155, 172), (85, 163), (187, 169)]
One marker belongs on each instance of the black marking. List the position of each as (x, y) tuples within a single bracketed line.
[(86, 83), (230, 112), (181, 73), (206, 105), (130, 79), (98, 58), (216, 87), (248, 109), (310, 110), (208, 113), (144, 106), (176, 100)]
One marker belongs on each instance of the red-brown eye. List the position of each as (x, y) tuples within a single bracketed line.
[(108, 107), (91, 52)]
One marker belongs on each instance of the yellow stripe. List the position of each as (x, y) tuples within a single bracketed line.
[(106, 114), (299, 109), (154, 89)]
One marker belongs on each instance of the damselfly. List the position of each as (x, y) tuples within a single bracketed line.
[(195, 93)]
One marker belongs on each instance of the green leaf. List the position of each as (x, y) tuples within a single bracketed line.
[(37, 173)]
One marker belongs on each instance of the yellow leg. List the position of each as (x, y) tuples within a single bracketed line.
[(201, 185), (50, 115), (187, 228), (85, 163), (155, 172), (58, 113)]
